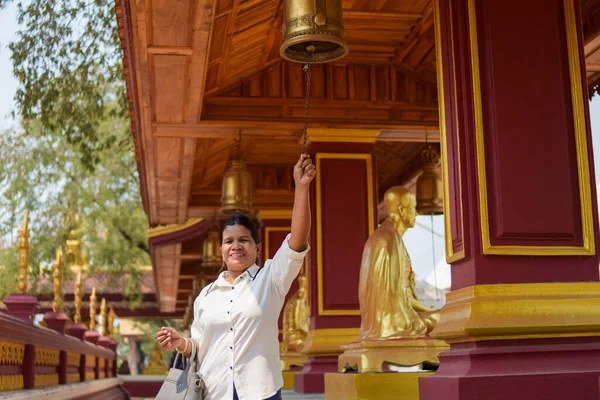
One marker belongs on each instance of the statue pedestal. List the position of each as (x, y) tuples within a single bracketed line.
[(291, 364), (370, 355), (374, 386), (21, 305), (56, 321), (77, 330), (292, 358), (91, 336)]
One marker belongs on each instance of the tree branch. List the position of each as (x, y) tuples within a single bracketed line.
[(136, 243)]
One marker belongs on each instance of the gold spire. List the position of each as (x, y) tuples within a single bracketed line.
[(103, 317), (58, 266), (23, 254), (111, 322), (93, 306), (77, 318)]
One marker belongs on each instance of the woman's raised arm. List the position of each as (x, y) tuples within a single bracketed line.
[(304, 173)]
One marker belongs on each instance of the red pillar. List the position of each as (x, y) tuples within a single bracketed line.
[(343, 207), (521, 212)]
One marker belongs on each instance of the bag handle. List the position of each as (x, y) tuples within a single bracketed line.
[(187, 363)]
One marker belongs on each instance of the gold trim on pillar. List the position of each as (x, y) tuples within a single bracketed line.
[(583, 174), (343, 135), (520, 311), (371, 211), (451, 256), (270, 229)]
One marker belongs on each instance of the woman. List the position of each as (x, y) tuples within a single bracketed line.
[(235, 317)]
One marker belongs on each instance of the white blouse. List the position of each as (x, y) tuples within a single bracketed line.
[(236, 326)]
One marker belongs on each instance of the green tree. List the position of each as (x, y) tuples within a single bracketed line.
[(70, 160)]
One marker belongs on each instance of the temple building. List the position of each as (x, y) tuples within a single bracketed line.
[(474, 109), (500, 87)]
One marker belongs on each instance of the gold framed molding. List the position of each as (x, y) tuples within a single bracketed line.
[(588, 247), (451, 256), (520, 311), (343, 135), (270, 229), (371, 210)]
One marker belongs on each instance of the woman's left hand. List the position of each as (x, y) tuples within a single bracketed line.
[(304, 171)]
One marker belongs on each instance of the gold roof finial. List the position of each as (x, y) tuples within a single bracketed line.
[(93, 305), (103, 317), (78, 293), (111, 322), (23, 254), (58, 267)]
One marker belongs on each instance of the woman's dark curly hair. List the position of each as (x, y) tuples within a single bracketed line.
[(240, 219)]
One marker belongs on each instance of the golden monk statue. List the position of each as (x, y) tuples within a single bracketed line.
[(74, 247), (157, 365), (389, 306), (295, 318)]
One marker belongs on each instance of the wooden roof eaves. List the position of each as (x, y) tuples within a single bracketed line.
[(122, 11)]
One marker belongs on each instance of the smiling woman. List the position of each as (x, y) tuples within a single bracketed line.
[(235, 317), (240, 245)]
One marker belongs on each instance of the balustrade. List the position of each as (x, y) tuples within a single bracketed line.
[(32, 357)]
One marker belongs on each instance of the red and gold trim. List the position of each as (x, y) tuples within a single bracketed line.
[(585, 199), (452, 205), (520, 311), (322, 310)]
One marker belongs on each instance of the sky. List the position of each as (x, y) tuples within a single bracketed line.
[(418, 240)]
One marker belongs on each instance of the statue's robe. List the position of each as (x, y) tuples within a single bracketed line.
[(295, 323), (386, 294)]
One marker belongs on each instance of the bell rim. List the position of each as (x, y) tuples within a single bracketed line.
[(303, 38)]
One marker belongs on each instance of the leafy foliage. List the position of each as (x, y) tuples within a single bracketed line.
[(65, 58), (70, 161)]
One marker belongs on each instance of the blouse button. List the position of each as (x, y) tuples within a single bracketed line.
[(230, 329)]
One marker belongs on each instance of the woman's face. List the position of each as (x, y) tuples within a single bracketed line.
[(238, 249)]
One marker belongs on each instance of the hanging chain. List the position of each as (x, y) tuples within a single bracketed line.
[(437, 296), (308, 70)]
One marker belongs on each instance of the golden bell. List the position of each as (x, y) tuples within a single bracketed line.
[(313, 26), (211, 252), (236, 195), (430, 194)]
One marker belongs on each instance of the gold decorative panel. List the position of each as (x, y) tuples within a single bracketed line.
[(45, 356), (73, 377), (40, 380), (11, 382), (73, 359), (11, 353)]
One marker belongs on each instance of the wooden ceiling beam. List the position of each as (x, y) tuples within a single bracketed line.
[(170, 50), (425, 23), (228, 129), (350, 14)]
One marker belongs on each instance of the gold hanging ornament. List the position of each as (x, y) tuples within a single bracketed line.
[(313, 31), (236, 195), (211, 252), (430, 200)]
